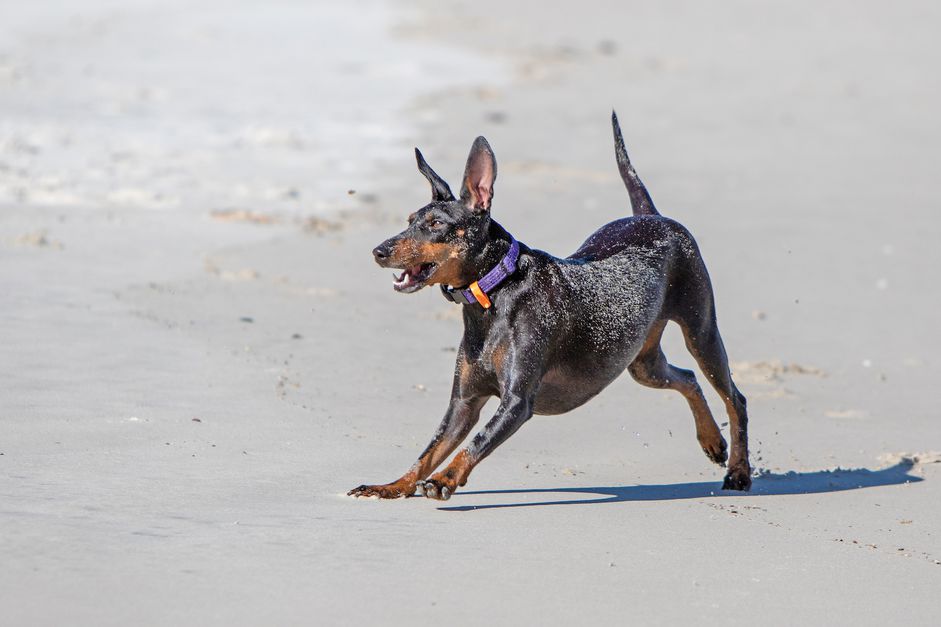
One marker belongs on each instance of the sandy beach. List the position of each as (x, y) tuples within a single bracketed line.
[(200, 357)]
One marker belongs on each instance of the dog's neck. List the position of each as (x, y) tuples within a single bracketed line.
[(492, 262), (493, 250)]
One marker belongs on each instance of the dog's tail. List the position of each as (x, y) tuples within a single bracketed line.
[(640, 199)]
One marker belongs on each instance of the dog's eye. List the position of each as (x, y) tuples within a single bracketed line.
[(437, 225)]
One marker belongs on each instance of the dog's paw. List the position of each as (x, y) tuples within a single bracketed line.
[(716, 450), (435, 489), (738, 478), (394, 490)]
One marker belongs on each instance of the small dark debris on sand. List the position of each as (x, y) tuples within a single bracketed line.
[(607, 47), (495, 117)]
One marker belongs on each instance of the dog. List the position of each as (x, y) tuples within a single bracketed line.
[(544, 334)]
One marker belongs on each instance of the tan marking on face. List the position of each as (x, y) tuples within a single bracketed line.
[(460, 232), (409, 253), (451, 272)]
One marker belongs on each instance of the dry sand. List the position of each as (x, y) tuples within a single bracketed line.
[(199, 357)]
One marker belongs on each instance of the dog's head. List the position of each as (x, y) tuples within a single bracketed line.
[(443, 237)]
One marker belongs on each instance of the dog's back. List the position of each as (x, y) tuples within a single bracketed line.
[(649, 239)]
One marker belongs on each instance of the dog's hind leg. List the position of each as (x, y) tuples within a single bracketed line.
[(705, 344), (650, 368)]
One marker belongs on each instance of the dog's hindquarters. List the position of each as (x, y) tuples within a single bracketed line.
[(691, 304), (695, 312)]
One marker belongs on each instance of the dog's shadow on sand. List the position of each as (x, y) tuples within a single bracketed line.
[(765, 484)]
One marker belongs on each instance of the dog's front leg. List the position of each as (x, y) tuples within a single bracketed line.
[(460, 418), (515, 409)]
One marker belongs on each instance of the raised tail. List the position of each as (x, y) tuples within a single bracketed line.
[(640, 199)]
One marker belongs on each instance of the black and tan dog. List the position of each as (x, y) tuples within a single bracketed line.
[(545, 334)]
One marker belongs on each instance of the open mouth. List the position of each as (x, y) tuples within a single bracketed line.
[(413, 278)]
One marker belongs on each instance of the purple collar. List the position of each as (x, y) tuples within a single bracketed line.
[(477, 292)]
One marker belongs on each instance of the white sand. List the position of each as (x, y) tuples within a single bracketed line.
[(187, 395)]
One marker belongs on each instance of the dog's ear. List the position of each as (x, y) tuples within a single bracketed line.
[(440, 191), (479, 175)]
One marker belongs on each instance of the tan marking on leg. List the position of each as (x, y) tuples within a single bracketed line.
[(401, 487), (497, 357), (455, 474)]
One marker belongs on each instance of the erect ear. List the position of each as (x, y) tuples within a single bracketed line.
[(479, 175), (439, 188)]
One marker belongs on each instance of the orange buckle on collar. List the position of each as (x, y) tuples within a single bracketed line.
[(480, 295)]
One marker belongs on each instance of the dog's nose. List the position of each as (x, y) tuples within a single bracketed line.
[(381, 252)]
